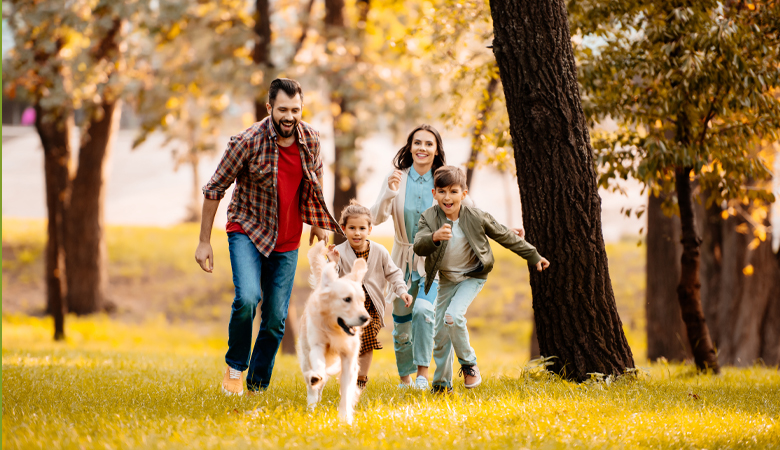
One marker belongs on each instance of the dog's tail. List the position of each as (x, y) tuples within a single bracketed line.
[(317, 263)]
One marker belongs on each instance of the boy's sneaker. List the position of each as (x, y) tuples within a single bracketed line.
[(421, 383), (443, 390), (471, 376), (231, 382)]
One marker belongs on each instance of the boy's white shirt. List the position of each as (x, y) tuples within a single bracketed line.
[(391, 204), (459, 258), (381, 274)]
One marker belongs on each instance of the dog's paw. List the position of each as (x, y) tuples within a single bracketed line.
[(346, 416)]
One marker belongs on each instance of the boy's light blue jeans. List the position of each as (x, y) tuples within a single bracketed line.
[(450, 332), (413, 328), (258, 277)]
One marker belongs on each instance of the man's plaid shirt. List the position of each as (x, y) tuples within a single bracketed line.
[(252, 161)]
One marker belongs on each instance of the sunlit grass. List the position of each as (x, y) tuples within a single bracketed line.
[(113, 385)]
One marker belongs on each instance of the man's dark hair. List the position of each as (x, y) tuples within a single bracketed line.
[(289, 86), (449, 176)]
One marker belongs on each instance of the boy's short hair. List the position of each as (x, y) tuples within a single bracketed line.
[(449, 176), (355, 209)]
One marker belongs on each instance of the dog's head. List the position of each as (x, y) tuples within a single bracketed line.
[(343, 298)]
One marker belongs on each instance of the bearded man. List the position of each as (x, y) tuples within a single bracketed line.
[(277, 167)]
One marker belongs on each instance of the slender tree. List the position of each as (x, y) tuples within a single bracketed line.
[(574, 306)]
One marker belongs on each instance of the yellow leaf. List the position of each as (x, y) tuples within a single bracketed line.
[(172, 103), (754, 244), (748, 270), (724, 215)]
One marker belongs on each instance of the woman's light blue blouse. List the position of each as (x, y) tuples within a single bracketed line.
[(419, 197)]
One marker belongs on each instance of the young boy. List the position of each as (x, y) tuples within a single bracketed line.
[(356, 222), (454, 240)]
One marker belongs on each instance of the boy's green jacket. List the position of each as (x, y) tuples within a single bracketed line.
[(477, 225)]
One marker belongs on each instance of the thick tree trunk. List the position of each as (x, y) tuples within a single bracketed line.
[(535, 353), (666, 335), (85, 245), (479, 129), (54, 132), (574, 306), (688, 291)]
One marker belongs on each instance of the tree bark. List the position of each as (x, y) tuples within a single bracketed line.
[(54, 132), (479, 129), (535, 353), (666, 334), (688, 291), (85, 245), (574, 305)]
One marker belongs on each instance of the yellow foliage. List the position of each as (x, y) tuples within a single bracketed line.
[(748, 270)]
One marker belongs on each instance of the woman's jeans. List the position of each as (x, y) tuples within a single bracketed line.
[(450, 332), (413, 329), (258, 277)]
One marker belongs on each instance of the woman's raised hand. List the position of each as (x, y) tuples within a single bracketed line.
[(395, 180)]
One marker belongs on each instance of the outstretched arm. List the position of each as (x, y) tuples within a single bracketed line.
[(509, 239), (204, 254)]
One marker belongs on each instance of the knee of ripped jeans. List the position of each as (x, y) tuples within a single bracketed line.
[(402, 339), (450, 321)]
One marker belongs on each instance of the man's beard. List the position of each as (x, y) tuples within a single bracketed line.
[(279, 131)]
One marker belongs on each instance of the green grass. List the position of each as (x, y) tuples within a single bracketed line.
[(155, 385)]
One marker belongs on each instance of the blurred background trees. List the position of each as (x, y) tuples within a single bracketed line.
[(692, 90)]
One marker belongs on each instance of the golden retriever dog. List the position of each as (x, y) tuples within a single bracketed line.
[(329, 339)]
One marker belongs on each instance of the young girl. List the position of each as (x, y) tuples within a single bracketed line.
[(356, 221)]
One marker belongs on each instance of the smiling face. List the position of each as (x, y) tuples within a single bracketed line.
[(357, 230), (449, 199), (423, 151), (285, 113)]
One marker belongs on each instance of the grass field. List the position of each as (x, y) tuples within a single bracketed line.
[(147, 376), (115, 385)]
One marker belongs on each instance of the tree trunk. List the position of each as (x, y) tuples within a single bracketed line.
[(712, 225), (85, 245), (261, 55), (742, 307), (344, 118), (574, 306), (688, 291), (666, 335), (479, 129), (534, 342), (195, 209), (54, 132)]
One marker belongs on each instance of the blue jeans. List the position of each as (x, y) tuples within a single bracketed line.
[(258, 277), (450, 332), (413, 329)]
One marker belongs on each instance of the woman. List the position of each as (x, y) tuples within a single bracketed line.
[(406, 193)]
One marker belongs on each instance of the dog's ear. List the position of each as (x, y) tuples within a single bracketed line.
[(359, 269), (329, 275)]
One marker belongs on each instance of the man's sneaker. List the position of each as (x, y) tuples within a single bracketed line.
[(231, 382), (443, 390), (471, 376), (421, 383)]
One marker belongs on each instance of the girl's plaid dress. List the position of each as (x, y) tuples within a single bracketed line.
[(368, 339)]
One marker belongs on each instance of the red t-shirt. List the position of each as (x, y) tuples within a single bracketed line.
[(288, 192)]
